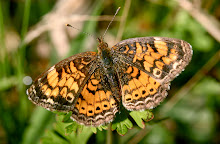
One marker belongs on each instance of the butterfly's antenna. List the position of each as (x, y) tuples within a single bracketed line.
[(79, 30), (111, 21)]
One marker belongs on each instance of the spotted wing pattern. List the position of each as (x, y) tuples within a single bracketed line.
[(96, 104), (146, 66), (58, 87)]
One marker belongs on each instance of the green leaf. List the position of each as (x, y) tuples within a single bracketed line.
[(121, 123), (66, 118), (67, 133), (71, 128), (105, 127), (139, 116), (94, 129), (74, 126), (122, 127)]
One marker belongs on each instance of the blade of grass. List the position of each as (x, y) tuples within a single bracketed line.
[(123, 20), (39, 120), (3, 52), (23, 107), (8, 82)]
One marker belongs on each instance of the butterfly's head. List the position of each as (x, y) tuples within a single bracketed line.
[(102, 45)]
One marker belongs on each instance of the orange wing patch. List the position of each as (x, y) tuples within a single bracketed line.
[(161, 45), (154, 56), (140, 89), (63, 92), (52, 78), (56, 88), (96, 103)]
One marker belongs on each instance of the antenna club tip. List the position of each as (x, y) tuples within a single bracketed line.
[(68, 25)]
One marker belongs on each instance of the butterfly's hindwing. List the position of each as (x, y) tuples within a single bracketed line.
[(139, 90), (96, 104)]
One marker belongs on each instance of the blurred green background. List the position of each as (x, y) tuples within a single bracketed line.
[(33, 37)]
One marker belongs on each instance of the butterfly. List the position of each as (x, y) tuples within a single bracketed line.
[(135, 73)]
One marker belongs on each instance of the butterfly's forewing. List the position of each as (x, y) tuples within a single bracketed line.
[(58, 88), (149, 64)]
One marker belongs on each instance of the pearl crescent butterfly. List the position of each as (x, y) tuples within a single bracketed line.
[(135, 72)]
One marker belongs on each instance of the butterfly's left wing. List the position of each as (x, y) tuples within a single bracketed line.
[(146, 66)]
